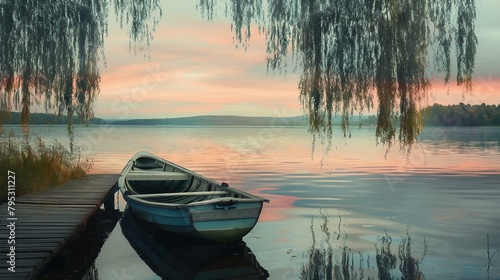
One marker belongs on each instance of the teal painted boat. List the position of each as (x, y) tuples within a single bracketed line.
[(178, 200)]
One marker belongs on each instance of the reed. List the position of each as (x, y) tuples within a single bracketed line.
[(38, 166)]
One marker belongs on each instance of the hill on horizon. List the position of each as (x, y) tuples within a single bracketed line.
[(222, 120)]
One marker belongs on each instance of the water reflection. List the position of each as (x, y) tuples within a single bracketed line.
[(326, 262), (76, 258), (172, 257), (452, 199)]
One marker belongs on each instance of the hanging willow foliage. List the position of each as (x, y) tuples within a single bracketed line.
[(352, 51), (50, 50), (242, 13), (142, 17)]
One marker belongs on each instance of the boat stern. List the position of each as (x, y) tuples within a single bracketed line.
[(225, 222)]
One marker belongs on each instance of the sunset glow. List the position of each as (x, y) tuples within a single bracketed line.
[(193, 67)]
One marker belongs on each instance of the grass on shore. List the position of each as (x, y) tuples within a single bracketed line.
[(37, 166)]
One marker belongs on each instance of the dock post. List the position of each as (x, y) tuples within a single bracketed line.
[(109, 201)]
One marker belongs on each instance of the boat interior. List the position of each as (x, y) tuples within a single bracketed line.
[(160, 182)]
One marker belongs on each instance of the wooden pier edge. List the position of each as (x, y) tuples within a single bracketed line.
[(49, 220)]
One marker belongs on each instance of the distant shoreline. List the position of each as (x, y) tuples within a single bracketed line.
[(230, 120), (436, 115)]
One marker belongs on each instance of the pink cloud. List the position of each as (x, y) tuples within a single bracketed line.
[(485, 90), (199, 70), (199, 66)]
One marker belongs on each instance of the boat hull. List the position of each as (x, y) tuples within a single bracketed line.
[(205, 221), (221, 214)]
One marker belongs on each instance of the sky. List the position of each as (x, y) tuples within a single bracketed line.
[(194, 68)]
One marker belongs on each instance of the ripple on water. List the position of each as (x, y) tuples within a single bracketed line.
[(373, 195)]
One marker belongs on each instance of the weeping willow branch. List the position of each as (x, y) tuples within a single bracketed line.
[(353, 54), (50, 50), (142, 18)]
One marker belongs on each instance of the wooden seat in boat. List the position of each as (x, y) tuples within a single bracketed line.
[(156, 176)]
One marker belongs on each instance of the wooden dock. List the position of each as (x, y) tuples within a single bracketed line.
[(47, 221)]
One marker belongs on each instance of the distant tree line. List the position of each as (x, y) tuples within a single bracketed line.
[(461, 115), (45, 119), (436, 115)]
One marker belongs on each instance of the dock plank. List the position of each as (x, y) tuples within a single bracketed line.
[(47, 221)]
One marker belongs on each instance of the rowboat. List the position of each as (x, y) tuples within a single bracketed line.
[(171, 256), (178, 200)]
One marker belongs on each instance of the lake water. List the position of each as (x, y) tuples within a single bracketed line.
[(446, 194)]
